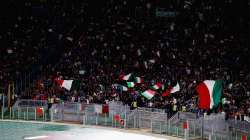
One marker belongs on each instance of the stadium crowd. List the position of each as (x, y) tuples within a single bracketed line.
[(69, 40)]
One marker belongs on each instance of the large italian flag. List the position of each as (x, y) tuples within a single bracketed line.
[(244, 137), (148, 94), (209, 93)]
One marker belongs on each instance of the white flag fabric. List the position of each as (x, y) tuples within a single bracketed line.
[(176, 88), (67, 84)]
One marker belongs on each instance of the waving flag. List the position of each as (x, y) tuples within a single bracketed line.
[(67, 84), (157, 86), (119, 87), (131, 84), (209, 93), (125, 77), (149, 94), (138, 80), (171, 89)]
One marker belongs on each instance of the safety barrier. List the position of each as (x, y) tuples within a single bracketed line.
[(184, 125), (242, 125), (25, 113), (164, 127), (66, 112), (30, 103)]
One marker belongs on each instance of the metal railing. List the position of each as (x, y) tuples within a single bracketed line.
[(164, 127), (25, 113), (241, 125), (149, 121), (66, 112), (31, 103)]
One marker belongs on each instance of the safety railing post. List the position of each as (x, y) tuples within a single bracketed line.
[(194, 129), (10, 113), (236, 135), (166, 128), (169, 129), (27, 112), (43, 114), (134, 122), (151, 125), (3, 106), (35, 114), (105, 119), (96, 119), (160, 128), (177, 131), (86, 119), (2, 111), (112, 120), (139, 119), (62, 111), (23, 115), (83, 119), (115, 123), (125, 118), (202, 127), (18, 113), (13, 114), (51, 114)]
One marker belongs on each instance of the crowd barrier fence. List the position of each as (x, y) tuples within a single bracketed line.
[(120, 116)]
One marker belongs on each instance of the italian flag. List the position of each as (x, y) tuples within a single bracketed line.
[(209, 93), (171, 89), (119, 87), (123, 88), (67, 84), (138, 80), (157, 86), (130, 84), (125, 77), (149, 94), (175, 88)]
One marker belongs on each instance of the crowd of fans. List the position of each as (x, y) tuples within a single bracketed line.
[(70, 40)]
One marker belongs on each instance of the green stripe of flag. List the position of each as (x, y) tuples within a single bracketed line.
[(217, 90)]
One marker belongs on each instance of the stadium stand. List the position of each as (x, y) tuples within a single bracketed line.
[(43, 41)]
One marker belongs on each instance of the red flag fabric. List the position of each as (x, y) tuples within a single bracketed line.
[(204, 100), (185, 125), (39, 111), (243, 137), (105, 109), (117, 117), (167, 92), (59, 82)]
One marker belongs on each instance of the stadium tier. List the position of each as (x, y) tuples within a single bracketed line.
[(171, 57)]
